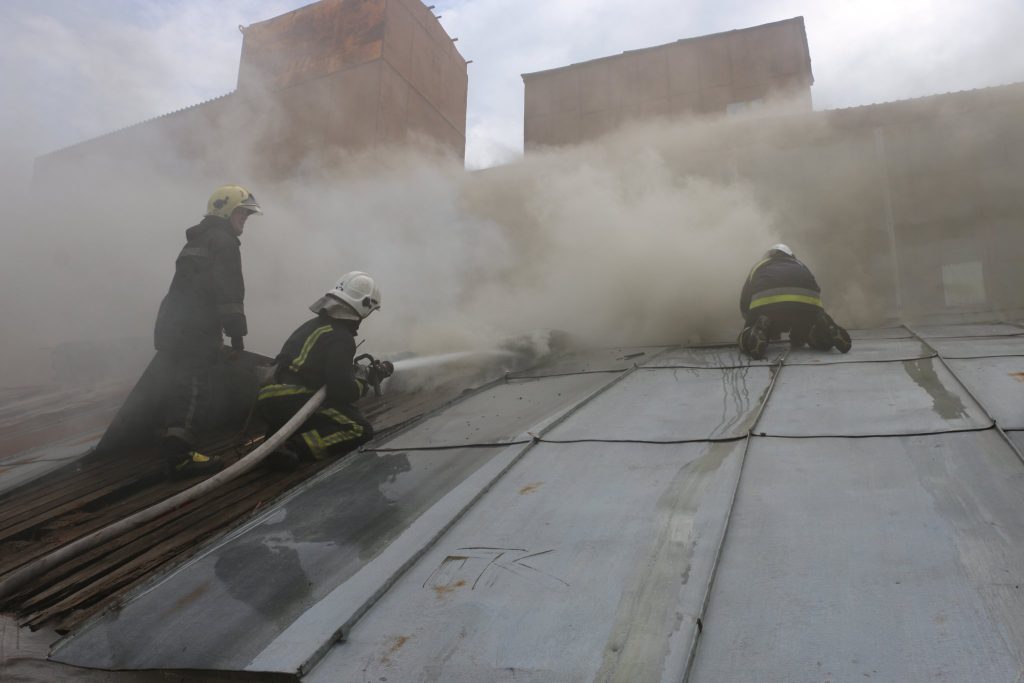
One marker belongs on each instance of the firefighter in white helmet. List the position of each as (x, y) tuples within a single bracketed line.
[(322, 352), (781, 295), (204, 302)]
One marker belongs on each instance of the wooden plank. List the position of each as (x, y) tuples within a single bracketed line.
[(171, 548), (86, 489), (103, 560)]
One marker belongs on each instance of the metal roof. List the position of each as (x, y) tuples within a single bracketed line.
[(694, 517)]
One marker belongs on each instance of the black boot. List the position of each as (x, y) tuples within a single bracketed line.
[(753, 340)]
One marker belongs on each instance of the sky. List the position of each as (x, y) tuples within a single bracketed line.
[(82, 68)]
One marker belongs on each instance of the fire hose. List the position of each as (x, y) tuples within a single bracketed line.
[(38, 567)]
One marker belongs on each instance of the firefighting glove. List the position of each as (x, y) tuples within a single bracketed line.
[(234, 325)]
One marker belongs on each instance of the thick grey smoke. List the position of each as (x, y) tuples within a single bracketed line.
[(634, 239)]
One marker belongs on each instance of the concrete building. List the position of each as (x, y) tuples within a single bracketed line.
[(715, 74), (334, 75)]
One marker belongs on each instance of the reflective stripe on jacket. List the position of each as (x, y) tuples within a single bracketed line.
[(781, 294), (779, 279), (320, 352)]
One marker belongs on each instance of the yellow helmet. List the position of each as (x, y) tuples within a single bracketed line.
[(226, 198)]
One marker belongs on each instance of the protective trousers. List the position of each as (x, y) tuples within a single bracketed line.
[(793, 317), (189, 400), (333, 430)]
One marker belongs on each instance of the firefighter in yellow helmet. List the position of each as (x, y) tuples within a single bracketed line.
[(205, 301)]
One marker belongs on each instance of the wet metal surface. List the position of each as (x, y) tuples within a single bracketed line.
[(999, 385), (713, 357), (983, 330), (979, 347), (501, 413), (671, 405), (597, 360), (592, 570), (865, 399), (863, 350), (881, 333), (221, 610), (883, 559), (1018, 439)]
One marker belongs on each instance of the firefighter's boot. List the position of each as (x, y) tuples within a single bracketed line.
[(193, 464), (826, 334), (753, 340)]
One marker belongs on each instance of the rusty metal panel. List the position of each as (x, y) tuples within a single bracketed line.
[(310, 42), (586, 562), (866, 399), (880, 559)]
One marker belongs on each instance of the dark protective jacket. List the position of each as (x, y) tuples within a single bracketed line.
[(207, 292), (778, 279), (319, 352)]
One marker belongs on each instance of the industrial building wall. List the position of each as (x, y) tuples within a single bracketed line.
[(333, 77), (923, 197), (710, 75)]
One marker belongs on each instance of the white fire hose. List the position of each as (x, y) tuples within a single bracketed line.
[(40, 566)]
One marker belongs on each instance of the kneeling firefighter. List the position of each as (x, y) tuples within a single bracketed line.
[(781, 295), (322, 352)]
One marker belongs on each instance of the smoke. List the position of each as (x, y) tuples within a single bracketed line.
[(641, 238)]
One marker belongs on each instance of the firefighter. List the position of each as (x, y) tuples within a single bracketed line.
[(781, 295), (205, 300), (322, 352)]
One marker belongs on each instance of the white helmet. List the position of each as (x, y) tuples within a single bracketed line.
[(358, 290), (778, 248)]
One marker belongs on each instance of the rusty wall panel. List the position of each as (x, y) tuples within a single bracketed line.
[(417, 47), (311, 42), (700, 75), (356, 106), (393, 120)]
